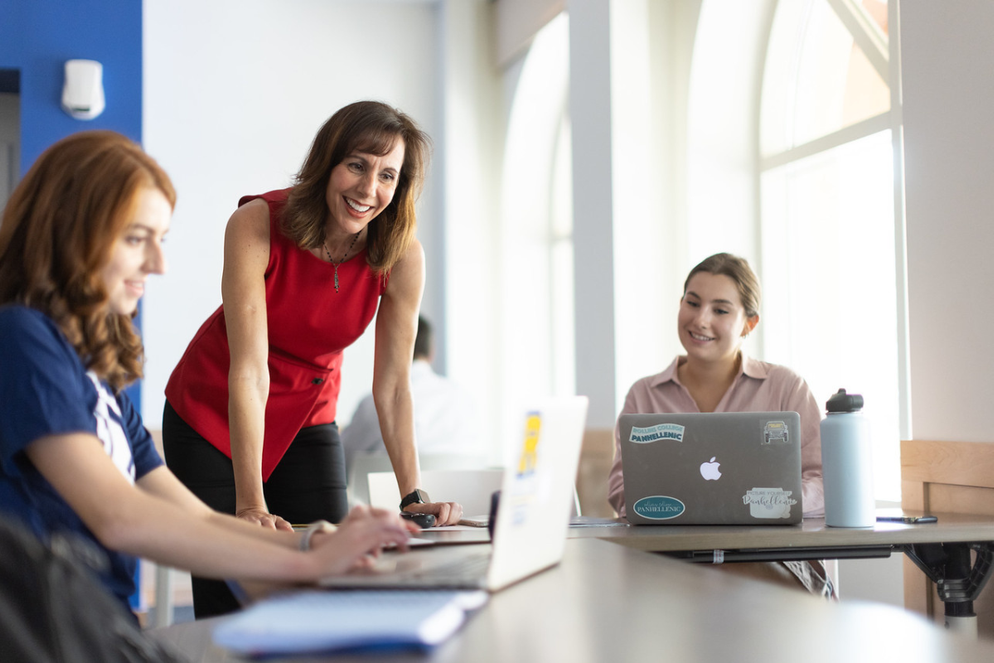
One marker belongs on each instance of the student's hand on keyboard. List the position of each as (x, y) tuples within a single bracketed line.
[(360, 538), (446, 513)]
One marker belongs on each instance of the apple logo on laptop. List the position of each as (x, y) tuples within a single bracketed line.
[(709, 470)]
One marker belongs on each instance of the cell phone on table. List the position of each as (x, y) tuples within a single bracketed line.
[(422, 520), (908, 520)]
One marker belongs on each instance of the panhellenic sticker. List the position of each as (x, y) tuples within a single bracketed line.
[(769, 503), (659, 507), (656, 433)]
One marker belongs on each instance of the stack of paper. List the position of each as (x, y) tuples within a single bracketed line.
[(313, 621)]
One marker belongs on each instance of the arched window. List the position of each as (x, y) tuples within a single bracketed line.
[(829, 243), (536, 265)]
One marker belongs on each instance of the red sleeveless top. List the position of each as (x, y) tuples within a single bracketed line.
[(309, 326)]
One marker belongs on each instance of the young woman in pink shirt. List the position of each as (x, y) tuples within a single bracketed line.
[(718, 310)]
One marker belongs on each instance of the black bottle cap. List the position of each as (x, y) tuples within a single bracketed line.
[(843, 402)]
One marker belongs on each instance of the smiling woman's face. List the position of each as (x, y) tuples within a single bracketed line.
[(361, 187), (138, 251), (712, 321)]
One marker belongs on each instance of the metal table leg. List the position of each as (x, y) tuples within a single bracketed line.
[(959, 571)]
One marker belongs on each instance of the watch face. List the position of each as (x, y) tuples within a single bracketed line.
[(418, 496)]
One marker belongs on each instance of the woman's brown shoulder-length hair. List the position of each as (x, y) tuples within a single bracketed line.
[(365, 126), (57, 234)]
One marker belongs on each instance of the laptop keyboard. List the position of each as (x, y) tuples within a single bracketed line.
[(467, 568), (465, 572)]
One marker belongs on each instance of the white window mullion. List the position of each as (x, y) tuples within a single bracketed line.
[(845, 135)]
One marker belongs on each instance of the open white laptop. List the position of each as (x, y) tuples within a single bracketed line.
[(471, 488), (532, 521), (728, 468)]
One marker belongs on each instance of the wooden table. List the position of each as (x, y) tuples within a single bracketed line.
[(608, 602), (812, 533), (956, 553)]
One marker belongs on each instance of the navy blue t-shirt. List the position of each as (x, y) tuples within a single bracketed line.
[(46, 390)]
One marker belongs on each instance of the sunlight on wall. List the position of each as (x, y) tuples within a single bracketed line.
[(721, 131), (645, 303), (529, 246)]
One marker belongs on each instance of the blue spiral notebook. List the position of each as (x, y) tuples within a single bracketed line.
[(322, 621)]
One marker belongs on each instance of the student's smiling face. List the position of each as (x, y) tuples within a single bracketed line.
[(712, 321), (138, 251)]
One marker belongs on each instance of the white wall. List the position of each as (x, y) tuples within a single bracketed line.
[(593, 206), (234, 91), (722, 123), (947, 55), (468, 146), (651, 139), (523, 266)]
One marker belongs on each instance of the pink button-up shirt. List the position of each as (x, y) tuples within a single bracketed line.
[(759, 387)]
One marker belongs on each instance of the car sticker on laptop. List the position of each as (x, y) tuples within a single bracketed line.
[(775, 432)]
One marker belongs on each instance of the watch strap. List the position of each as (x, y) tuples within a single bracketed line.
[(417, 496)]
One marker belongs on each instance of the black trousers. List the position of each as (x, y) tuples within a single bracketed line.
[(307, 485)]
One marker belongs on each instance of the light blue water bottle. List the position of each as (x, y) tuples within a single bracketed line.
[(847, 463)]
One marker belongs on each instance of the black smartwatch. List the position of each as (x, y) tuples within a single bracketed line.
[(417, 497)]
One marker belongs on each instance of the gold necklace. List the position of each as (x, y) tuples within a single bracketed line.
[(334, 264)]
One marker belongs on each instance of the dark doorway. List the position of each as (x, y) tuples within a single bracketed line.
[(10, 132)]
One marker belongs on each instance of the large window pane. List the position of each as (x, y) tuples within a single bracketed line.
[(828, 273)]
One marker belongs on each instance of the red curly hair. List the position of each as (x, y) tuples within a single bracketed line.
[(58, 230)]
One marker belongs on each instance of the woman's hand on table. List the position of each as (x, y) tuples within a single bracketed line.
[(260, 516), (446, 513)]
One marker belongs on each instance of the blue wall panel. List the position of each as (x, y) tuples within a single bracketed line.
[(38, 36)]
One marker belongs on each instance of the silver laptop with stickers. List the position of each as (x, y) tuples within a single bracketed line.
[(727, 468)]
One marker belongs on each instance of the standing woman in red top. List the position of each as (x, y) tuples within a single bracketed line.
[(249, 421)]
